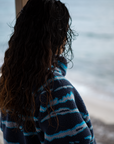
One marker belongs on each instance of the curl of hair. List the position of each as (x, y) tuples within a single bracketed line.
[(40, 30)]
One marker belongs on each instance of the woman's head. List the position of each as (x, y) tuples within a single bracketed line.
[(46, 24), (42, 29)]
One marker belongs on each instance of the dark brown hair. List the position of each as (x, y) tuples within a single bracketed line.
[(40, 30)]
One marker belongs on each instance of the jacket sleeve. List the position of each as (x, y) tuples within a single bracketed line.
[(69, 112)]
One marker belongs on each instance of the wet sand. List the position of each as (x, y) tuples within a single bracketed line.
[(100, 109), (102, 117), (104, 133), (1, 137)]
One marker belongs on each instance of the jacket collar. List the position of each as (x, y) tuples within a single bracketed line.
[(62, 66)]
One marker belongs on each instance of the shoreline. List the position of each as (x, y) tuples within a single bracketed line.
[(99, 104), (100, 109)]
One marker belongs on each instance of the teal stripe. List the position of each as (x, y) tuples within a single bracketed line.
[(92, 140), (29, 133), (58, 71), (35, 119), (88, 137), (63, 87), (84, 115), (3, 121), (61, 111), (9, 124), (56, 101), (91, 128), (74, 142), (50, 80), (64, 67), (38, 129), (1, 129), (87, 121), (70, 132)]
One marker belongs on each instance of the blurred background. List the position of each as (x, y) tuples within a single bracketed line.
[(93, 20), (93, 70)]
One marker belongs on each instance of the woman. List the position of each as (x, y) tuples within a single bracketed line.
[(38, 104)]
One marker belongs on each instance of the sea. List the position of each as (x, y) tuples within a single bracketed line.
[(92, 73)]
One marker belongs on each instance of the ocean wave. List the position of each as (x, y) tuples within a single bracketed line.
[(97, 35)]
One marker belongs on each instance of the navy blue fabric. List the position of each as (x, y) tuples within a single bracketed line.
[(74, 121)]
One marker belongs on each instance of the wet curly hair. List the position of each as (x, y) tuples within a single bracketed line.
[(41, 28)]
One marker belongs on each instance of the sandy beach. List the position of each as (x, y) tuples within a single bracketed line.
[(100, 109), (102, 117), (1, 137)]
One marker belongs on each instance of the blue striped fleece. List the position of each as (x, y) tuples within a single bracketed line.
[(74, 120)]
